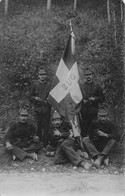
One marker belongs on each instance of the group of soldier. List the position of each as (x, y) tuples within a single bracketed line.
[(53, 134)]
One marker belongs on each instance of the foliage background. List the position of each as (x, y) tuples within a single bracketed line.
[(31, 36)]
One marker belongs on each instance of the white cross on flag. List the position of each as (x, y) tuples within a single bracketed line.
[(65, 96)]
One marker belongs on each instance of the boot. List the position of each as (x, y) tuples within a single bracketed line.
[(33, 156), (85, 165), (106, 161), (98, 161)]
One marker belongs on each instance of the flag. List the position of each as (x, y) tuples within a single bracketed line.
[(65, 96)]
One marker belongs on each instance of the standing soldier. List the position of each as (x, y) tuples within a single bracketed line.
[(92, 97), (42, 109)]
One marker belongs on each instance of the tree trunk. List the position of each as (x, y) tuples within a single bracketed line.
[(6, 6), (115, 28), (108, 12), (48, 4), (121, 6), (75, 4)]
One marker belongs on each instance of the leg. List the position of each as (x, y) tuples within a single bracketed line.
[(39, 128), (104, 153), (68, 147), (34, 147), (45, 130), (19, 153), (110, 144), (84, 125), (60, 156), (90, 147)]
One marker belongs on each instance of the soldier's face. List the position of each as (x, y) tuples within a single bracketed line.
[(103, 118), (89, 77), (23, 118), (57, 122), (42, 76)]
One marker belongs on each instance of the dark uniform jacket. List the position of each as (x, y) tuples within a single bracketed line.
[(64, 129), (91, 90), (21, 134), (40, 90), (108, 127)]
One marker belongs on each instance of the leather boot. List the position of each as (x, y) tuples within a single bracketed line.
[(98, 161)]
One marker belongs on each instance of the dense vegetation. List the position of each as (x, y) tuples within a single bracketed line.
[(31, 36)]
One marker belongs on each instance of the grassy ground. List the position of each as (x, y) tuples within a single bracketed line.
[(45, 164)]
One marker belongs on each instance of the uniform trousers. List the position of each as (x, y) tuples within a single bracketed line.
[(66, 152)]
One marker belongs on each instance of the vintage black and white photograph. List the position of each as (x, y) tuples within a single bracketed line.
[(62, 127)]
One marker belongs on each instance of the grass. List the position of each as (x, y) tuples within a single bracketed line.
[(45, 164)]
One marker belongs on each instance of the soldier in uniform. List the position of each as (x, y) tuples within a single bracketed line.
[(59, 131), (21, 139), (66, 145), (42, 109), (92, 97), (102, 138)]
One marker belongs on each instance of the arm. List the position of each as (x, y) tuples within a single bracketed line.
[(93, 131), (98, 96), (9, 137), (33, 132), (113, 132), (33, 95)]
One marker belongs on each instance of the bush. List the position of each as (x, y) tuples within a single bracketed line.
[(34, 37)]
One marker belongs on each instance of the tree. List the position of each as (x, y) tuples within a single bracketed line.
[(48, 4), (108, 11), (75, 4)]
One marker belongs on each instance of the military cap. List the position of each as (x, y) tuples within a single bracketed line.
[(88, 71), (102, 112), (42, 70), (23, 111), (55, 115)]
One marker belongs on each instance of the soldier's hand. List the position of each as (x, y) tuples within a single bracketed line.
[(9, 146), (91, 99), (36, 139), (100, 133), (38, 99), (57, 133), (85, 101), (71, 133)]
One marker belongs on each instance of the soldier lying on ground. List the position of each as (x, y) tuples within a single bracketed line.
[(102, 138), (21, 139), (66, 145)]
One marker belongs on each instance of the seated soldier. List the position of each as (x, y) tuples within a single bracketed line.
[(102, 138), (66, 144), (21, 139), (59, 131)]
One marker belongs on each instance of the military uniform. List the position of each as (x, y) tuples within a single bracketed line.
[(89, 108), (42, 109), (67, 148), (54, 141), (21, 136), (97, 145)]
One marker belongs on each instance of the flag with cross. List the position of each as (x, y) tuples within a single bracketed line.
[(65, 96)]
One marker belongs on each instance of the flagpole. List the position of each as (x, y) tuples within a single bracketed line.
[(70, 24), (124, 34), (124, 43)]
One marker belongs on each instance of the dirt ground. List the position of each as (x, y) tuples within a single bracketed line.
[(43, 178), (61, 184)]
